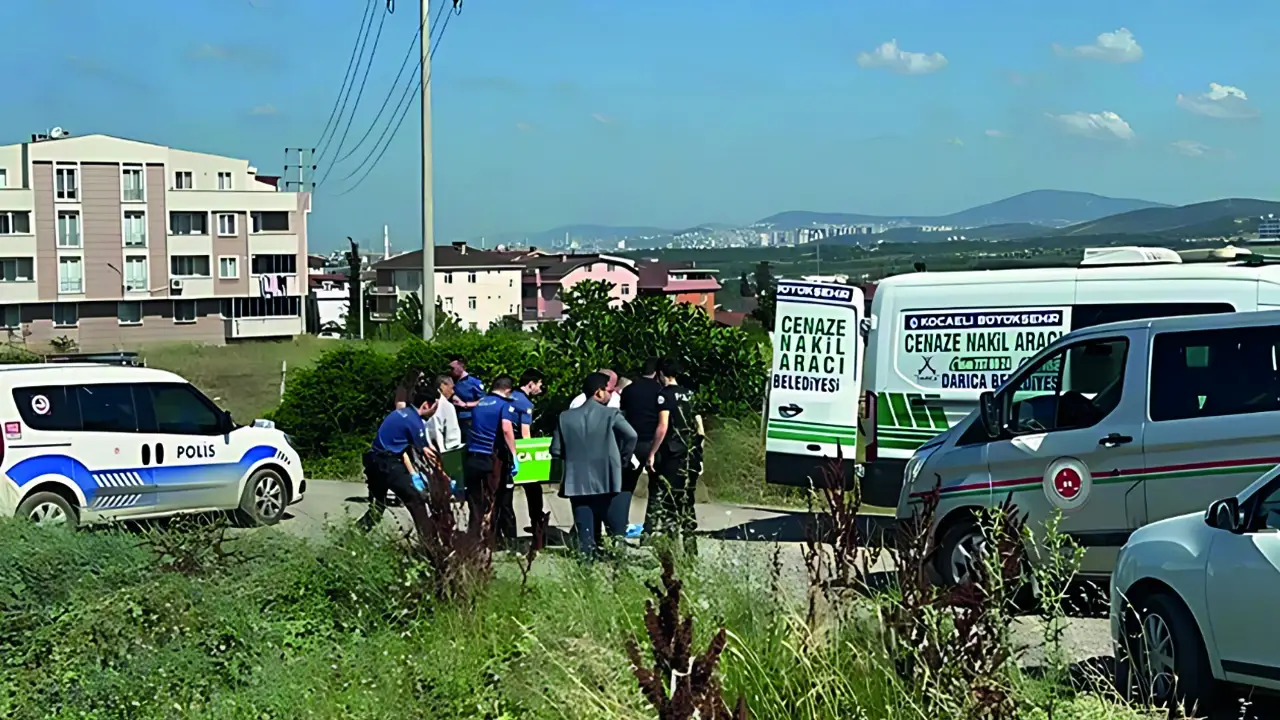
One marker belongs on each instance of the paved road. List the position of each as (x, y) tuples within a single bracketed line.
[(1086, 641)]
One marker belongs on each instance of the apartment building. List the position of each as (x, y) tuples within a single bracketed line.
[(479, 287), (114, 243)]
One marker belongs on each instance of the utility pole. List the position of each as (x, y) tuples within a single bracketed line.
[(428, 201), (303, 169)]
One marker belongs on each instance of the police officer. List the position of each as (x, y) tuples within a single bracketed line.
[(389, 463), (639, 404), (521, 399), (676, 457), (467, 391), (492, 449)]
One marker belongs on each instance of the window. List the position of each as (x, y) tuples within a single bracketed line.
[(17, 269), (68, 229), (226, 308), (226, 224), (281, 264), (107, 408), (66, 314), (446, 303), (135, 273), (189, 266), (626, 290), (224, 181), (67, 183), (61, 407), (1073, 388), (15, 223), (228, 267), (70, 275), (132, 184), (1083, 316), (10, 317), (448, 278), (1211, 373), (184, 311), (471, 303), (183, 180), (472, 326), (511, 282), (129, 313), (270, 221), (511, 309), (4, 178), (257, 307), (188, 223), (135, 229), (471, 277), (177, 409)]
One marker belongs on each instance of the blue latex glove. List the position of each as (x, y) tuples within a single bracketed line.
[(418, 482), (458, 490), (634, 530), (515, 466)]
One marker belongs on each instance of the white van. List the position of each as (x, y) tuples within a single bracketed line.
[(939, 339), (1115, 426), (812, 412), (86, 443)]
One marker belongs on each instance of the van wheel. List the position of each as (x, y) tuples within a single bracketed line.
[(265, 497), (1163, 660), (958, 549), (48, 509)]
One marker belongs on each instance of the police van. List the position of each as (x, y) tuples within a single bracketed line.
[(86, 443), (938, 340), (815, 383)]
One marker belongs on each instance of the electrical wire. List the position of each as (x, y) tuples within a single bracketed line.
[(347, 76), (417, 87), (359, 94), (413, 45)]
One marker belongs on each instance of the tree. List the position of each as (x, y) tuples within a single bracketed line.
[(355, 290), (744, 286), (409, 318), (765, 300)]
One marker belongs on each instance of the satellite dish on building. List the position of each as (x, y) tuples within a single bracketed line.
[(58, 133)]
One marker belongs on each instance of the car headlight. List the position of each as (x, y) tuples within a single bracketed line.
[(914, 465)]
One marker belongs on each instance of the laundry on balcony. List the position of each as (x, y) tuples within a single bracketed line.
[(273, 285)]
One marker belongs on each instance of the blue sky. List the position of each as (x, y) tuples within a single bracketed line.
[(672, 113)]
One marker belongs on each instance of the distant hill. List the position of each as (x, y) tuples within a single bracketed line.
[(1010, 231), (1054, 208), (1192, 220)]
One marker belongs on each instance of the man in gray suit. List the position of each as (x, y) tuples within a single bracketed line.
[(593, 441)]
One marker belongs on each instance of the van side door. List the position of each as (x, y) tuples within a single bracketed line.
[(1215, 405), (110, 449), (193, 464), (1072, 441)]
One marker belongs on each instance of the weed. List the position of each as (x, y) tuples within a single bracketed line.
[(191, 545), (461, 563)]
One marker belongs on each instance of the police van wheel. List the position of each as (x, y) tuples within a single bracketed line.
[(265, 497), (48, 509), (958, 548)]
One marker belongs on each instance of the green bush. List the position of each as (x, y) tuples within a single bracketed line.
[(332, 409)]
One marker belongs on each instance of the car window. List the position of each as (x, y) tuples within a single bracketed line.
[(177, 408), (53, 408), (107, 408), (1073, 388), (1214, 373), (1083, 316)]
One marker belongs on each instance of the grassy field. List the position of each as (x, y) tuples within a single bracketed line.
[(111, 625)]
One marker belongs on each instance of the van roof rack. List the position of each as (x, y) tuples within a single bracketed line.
[(1129, 255), (127, 359)]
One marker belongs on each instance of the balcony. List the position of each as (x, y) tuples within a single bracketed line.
[(382, 290), (262, 327)]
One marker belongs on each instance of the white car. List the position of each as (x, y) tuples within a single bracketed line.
[(86, 443), (1193, 600)]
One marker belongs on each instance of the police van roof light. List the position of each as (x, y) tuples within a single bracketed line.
[(1129, 255)]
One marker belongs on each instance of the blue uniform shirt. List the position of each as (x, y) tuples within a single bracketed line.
[(470, 389), (486, 423), (400, 430), (523, 406)]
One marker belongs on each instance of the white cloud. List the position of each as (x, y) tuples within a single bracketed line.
[(602, 119), (891, 57), (995, 133), (1191, 148), (955, 141), (1114, 47), (1222, 101), (524, 127), (264, 110), (1101, 125)]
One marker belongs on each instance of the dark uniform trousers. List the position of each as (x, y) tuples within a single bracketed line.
[(477, 472), (671, 503), (383, 472)]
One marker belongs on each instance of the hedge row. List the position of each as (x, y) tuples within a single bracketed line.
[(333, 408)]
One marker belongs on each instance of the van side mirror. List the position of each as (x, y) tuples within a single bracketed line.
[(227, 423), (1224, 515), (990, 414)]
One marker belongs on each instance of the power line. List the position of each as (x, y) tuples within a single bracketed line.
[(347, 76), (413, 45), (404, 113), (359, 94)]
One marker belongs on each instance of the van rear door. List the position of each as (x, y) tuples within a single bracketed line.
[(815, 384)]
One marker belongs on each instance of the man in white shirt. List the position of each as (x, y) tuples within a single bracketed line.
[(443, 430), (615, 400)]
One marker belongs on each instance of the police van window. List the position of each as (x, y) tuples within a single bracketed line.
[(1213, 373), (48, 408), (1083, 316), (1074, 388), (177, 409), (107, 408)]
